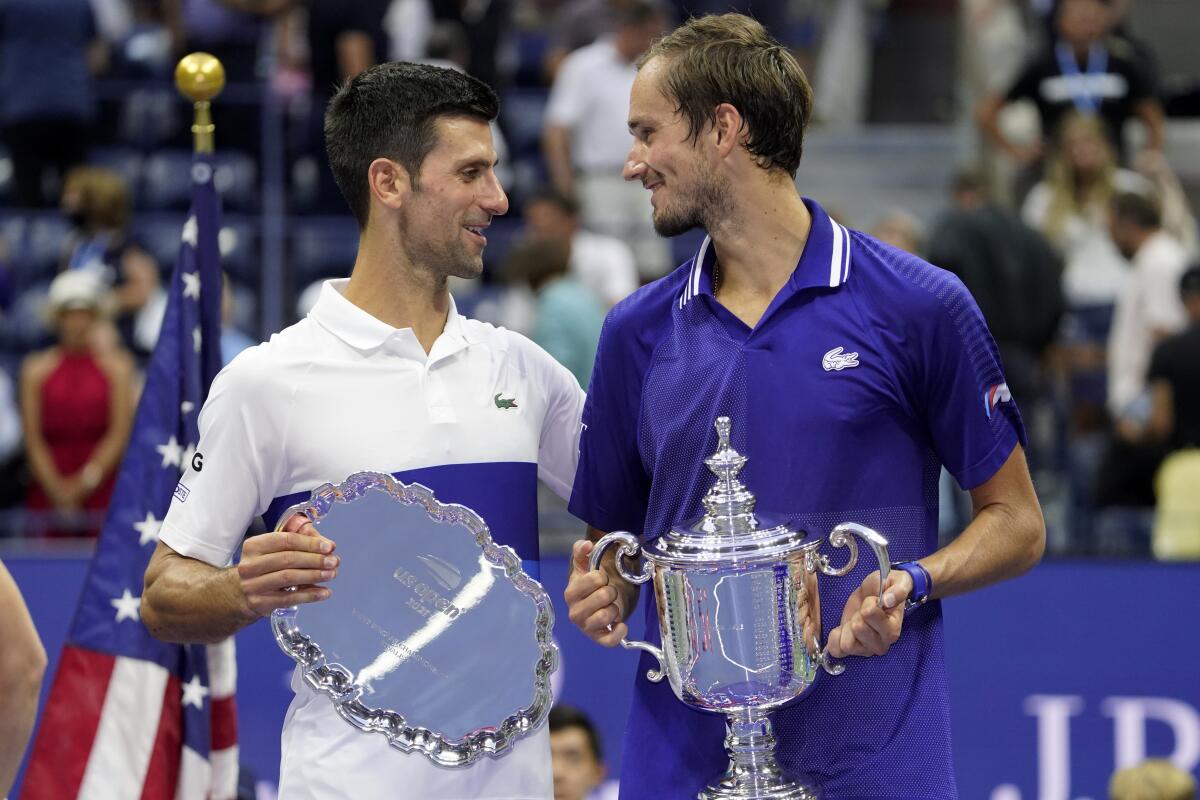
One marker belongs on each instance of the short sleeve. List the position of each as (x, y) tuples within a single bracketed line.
[(558, 448), (611, 486), (960, 389), (567, 103), (237, 466)]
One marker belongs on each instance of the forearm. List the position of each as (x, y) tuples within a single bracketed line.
[(556, 146), (188, 601), (18, 708), (1002, 541), (22, 665), (987, 117), (1151, 115)]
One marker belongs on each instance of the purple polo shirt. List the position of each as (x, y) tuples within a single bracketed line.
[(869, 371)]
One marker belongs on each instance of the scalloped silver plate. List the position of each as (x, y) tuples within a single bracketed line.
[(434, 636)]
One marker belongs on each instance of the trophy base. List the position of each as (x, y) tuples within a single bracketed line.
[(753, 772)]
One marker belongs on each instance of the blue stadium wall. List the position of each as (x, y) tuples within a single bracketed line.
[(1056, 677)]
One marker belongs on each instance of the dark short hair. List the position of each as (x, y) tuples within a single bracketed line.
[(389, 111), (563, 202), (730, 58), (1189, 281), (1136, 208), (969, 179), (536, 261), (563, 716)]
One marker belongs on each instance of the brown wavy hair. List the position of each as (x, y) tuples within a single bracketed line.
[(730, 58)]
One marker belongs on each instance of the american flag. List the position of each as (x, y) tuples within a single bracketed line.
[(129, 716)]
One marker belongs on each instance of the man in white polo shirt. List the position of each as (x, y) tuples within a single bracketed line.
[(382, 375), (585, 139)]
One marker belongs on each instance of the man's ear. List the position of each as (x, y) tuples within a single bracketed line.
[(389, 183), (728, 126)]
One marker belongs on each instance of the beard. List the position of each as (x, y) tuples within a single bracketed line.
[(700, 206), (444, 258)]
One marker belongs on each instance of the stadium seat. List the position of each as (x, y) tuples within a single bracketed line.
[(321, 247), (238, 241), (151, 118), (167, 181), (45, 235), (160, 235), (521, 114)]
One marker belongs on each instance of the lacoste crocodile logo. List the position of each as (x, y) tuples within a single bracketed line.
[(836, 361), (505, 402)]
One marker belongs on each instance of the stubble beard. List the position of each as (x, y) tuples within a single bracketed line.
[(443, 259), (709, 203)]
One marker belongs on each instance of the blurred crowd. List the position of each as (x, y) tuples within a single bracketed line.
[(1067, 222)]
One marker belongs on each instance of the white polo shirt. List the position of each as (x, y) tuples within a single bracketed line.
[(604, 264), (478, 420), (1149, 305), (590, 97)]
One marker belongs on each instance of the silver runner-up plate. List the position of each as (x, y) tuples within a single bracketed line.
[(433, 635)]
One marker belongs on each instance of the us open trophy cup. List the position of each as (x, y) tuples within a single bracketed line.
[(740, 616)]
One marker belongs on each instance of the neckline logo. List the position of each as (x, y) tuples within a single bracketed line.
[(505, 402), (836, 361)]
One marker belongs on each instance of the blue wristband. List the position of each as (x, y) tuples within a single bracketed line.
[(922, 584)]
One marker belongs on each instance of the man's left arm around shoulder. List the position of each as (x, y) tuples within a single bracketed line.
[(1006, 537)]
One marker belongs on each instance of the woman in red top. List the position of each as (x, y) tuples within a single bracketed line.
[(76, 406)]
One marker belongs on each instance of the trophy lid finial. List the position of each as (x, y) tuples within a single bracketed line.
[(729, 505)]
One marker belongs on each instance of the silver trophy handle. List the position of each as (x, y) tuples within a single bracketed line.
[(840, 537), (630, 547)]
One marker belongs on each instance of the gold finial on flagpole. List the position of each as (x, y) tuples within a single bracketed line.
[(200, 77)]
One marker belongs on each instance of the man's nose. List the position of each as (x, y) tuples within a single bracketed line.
[(634, 168), (495, 201)]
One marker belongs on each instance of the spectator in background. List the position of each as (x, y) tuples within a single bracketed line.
[(586, 137), (576, 756), (96, 200), (486, 22), (1013, 273), (604, 264), (1174, 377), (22, 665), (344, 38), (1085, 71), (408, 23), (567, 316), (49, 50), (1148, 309), (900, 229), (1070, 208), (76, 403), (1153, 779), (576, 24)]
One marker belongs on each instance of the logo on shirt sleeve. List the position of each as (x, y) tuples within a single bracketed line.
[(181, 492), (994, 396)]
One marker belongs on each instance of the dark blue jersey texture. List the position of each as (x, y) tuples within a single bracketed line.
[(920, 386)]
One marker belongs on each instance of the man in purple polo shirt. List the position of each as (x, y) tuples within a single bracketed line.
[(852, 372)]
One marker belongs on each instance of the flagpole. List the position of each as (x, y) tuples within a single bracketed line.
[(200, 77)]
